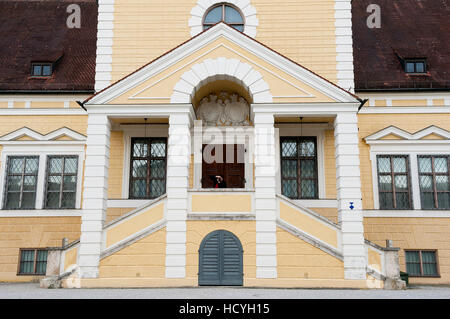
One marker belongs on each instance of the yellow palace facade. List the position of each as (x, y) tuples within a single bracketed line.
[(330, 180)]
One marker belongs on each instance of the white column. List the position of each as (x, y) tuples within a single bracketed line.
[(95, 194), (349, 191), (179, 153), (265, 200)]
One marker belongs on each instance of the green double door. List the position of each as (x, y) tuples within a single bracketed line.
[(220, 260)]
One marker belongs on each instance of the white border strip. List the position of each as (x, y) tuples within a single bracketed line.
[(105, 33)]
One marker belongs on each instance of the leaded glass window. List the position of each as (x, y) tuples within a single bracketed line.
[(21, 180), (61, 181), (299, 178), (226, 13), (32, 262), (148, 167), (434, 175), (394, 182), (421, 263)]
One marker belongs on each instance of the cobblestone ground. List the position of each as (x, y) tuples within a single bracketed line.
[(32, 291)]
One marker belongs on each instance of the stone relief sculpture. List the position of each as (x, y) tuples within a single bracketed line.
[(228, 109)]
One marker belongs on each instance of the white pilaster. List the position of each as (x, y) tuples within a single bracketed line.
[(95, 194), (178, 160), (105, 29), (265, 201), (348, 181)]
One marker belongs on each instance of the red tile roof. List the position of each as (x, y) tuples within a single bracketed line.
[(36, 31), (409, 29)]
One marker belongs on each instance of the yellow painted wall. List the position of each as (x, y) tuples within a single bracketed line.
[(113, 213), (197, 231), (308, 224), (70, 257), (374, 259), (330, 213), (302, 30), (32, 232), (221, 203), (409, 102), (372, 123), (115, 171), (299, 260), (134, 224), (414, 233), (47, 105), (143, 259)]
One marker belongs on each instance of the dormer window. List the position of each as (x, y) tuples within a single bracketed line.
[(41, 69), (226, 13), (415, 66)]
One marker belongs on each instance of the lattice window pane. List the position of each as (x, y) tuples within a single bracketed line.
[(384, 165), (28, 200), (289, 149), (139, 168), (71, 165), (426, 183), (56, 165), (399, 165), (54, 183), (386, 200), (385, 182), (12, 201), (402, 201), (289, 168), (444, 200), (289, 188), (425, 165), (158, 149), (401, 183), (52, 200), (32, 166), (427, 200), (68, 199), (70, 183), (14, 183), (442, 183), (440, 165), (157, 168), (140, 149), (16, 165), (139, 188), (157, 188), (307, 168), (29, 183), (307, 148), (308, 188)]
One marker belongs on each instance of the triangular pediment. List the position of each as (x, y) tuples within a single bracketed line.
[(26, 135), (222, 53)]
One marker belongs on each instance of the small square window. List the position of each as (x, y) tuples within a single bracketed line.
[(41, 69), (32, 262), (415, 66), (421, 263)]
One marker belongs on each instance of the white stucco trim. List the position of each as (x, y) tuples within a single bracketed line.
[(344, 44), (25, 131), (376, 137), (247, 10), (213, 69), (105, 27)]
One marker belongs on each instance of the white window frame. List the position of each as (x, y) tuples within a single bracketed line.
[(413, 150), (42, 151), (315, 130), (129, 132)]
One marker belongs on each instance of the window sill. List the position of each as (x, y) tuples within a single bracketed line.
[(407, 213), (41, 213)]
